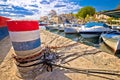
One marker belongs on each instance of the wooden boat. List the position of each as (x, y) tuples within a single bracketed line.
[(110, 42)]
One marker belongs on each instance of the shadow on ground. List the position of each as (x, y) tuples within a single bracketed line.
[(5, 46)]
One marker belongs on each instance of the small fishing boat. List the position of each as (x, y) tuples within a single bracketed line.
[(93, 29), (110, 42)]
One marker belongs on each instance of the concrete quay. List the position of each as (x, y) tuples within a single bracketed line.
[(78, 56)]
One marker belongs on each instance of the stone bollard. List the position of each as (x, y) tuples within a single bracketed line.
[(25, 38)]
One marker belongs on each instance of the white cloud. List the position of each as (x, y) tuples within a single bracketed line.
[(43, 8)]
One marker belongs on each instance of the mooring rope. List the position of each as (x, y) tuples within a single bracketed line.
[(28, 58), (97, 71), (90, 71)]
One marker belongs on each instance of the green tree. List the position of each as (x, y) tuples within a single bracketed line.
[(76, 15), (87, 18), (88, 10), (109, 20)]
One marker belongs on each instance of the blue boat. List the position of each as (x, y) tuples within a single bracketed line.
[(3, 27), (110, 42), (93, 29), (3, 32)]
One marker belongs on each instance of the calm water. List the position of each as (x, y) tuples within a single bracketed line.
[(76, 37)]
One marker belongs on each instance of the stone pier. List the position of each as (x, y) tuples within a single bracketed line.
[(78, 56)]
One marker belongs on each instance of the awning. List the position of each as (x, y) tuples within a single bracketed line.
[(112, 13)]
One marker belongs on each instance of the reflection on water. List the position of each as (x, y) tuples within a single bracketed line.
[(90, 41), (76, 37)]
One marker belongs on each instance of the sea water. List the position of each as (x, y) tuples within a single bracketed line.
[(76, 37)]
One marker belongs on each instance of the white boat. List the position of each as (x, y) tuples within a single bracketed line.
[(110, 42), (71, 28), (116, 28), (53, 27), (61, 27), (93, 29), (42, 25)]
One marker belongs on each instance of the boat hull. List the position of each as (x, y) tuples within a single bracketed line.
[(93, 31), (42, 27), (61, 28), (86, 34), (112, 43), (70, 30), (52, 27)]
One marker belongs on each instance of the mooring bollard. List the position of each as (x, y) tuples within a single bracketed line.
[(25, 37)]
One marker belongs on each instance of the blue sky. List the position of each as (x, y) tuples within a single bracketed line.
[(35, 8), (99, 4)]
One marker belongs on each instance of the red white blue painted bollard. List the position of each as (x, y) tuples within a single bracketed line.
[(25, 36)]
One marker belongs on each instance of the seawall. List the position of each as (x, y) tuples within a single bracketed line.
[(76, 56)]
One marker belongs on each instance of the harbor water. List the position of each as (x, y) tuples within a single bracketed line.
[(88, 41), (76, 37)]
